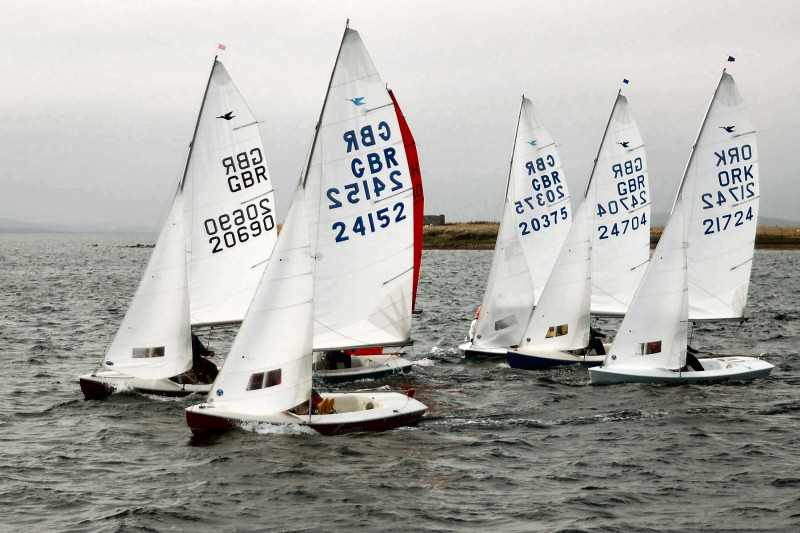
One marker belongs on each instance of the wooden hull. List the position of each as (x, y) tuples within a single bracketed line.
[(717, 370), (103, 383), (357, 411)]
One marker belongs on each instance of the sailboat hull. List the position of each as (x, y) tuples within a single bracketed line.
[(366, 367), (352, 412), (471, 351), (540, 359), (717, 370), (100, 384)]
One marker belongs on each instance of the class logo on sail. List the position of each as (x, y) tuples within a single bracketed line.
[(359, 101), (728, 129), (532, 143), (624, 144), (227, 116)]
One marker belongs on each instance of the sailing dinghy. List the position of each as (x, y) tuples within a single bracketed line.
[(318, 267), (224, 213), (267, 376), (701, 266), (365, 223), (558, 331), (536, 219), (616, 255)]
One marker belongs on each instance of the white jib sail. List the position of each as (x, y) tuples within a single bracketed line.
[(560, 321), (360, 205), (618, 191), (153, 341), (268, 368), (535, 222), (721, 192), (229, 206), (653, 333)]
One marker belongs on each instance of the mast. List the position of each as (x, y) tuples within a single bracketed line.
[(324, 104), (197, 126), (696, 140), (602, 141)]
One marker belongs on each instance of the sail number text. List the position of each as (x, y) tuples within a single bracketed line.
[(378, 176), (631, 191), (546, 184), (544, 221), (621, 227), (247, 168), (736, 183), (228, 230)]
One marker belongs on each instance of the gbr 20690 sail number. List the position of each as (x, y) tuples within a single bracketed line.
[(228, 230)]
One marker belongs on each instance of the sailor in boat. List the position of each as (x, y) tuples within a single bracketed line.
[(595, 342), (474, 324), (334, 357), (691, 360), (319, 405), (205, 369)]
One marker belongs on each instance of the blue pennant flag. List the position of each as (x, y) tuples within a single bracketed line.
[(731, 59), (625, 81)]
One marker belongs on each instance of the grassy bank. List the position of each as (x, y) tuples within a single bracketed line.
[(482, 236)]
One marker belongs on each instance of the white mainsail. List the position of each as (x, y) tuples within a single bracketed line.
[(361, 213), (618, 191), (560, 321), (653, 333), (229, 206), (536, 219), (268, 368), (153, 340), (721, 192)]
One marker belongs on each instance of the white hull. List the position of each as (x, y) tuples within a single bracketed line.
[(365, 367), (105, 382), (471, 351), (718, 370), (352, 411), (528, 359)]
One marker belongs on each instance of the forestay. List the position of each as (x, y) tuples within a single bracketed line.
[(561, 319), (654, 331), (722, 181), (268, 368), (361, 213), (229, 206), (618, 191), (535, 221), (153, 341)]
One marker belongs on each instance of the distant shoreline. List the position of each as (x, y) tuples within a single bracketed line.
[(482, 236)]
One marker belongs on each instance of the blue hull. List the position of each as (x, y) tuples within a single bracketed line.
[(532, 362)]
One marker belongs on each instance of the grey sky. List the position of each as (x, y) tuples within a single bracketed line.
[(98, 98)]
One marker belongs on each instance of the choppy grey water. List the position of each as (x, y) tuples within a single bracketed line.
[(499, 449)]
